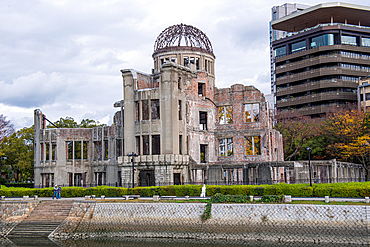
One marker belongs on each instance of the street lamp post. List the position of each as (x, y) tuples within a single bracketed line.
[(309, 164), (132, 155), (1, 158)]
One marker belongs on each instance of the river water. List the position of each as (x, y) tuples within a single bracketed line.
[(158, 242)]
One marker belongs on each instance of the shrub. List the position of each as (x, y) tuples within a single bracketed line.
[(272, 198), (219, 198)]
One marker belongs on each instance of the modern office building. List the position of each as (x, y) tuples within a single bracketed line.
[(278, 12), (317, 66)]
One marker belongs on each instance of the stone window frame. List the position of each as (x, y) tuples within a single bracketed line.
[(252, 141), (223, 119), (254, 115), (226, 147)]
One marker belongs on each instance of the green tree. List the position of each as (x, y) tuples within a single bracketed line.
[(18, 148), (296, 130), (88, 123), (69, 122)]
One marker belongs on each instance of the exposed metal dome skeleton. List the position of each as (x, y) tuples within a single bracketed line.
[(182, 36)]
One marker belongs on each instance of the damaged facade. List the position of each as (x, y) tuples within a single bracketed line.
[(183, 128)]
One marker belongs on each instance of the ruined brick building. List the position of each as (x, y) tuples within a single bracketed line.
[(182, 127)]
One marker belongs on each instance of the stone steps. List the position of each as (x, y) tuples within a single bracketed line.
[(43, 220)]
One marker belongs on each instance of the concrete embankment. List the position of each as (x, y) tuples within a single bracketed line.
[(282, 222), (12, 213)]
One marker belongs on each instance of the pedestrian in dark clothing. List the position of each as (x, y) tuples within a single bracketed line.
[(59, 192), (55, 192)]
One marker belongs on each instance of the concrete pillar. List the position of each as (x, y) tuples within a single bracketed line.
[(129, 106), (37, 148), (168, 109)]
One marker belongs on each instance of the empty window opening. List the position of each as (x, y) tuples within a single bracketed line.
[(156, 145), (137, 141), (197, 63), (77, 179), (192, 60), (100, 178), (180, 144), (69, 150), (203, 120), (47, 148), (167, 59), (84, 150), (203, 150), (106, 149), (201, 89), (97, 150), (225, 114), (186, 61), (252, 112), (119, 178), (155, 112), (47, 180), (179, 83), (253, 145), (119, 147), (176, 179), (173, 59), (226, 147), (145, 109), (205, 65), (77, 148), (145, 145), (180, 114), (137, 111), (162, 62), (54, 151)]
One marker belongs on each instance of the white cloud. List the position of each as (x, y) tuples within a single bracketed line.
[(64, 57)]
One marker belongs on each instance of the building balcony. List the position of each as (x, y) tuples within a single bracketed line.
[(316, 85), (316, 110), (334, 58), (326, 71), (349, 48), (343, 96)]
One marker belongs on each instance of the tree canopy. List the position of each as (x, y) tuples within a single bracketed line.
[(69, 122)]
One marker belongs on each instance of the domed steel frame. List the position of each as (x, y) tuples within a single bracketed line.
[(172, 36)]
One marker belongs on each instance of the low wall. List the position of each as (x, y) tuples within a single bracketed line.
[(270, 222), (12, 213)]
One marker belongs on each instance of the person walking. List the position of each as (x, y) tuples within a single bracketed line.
[(59, 192), (55, 192)]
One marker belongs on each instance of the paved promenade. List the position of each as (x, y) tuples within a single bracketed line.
[(336, 199)]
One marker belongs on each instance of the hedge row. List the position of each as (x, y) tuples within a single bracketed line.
[(359, 190)]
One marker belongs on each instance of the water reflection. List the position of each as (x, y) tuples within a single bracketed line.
[(155, 242)]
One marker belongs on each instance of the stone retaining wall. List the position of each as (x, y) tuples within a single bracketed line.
[(12, 213), (281, 222)]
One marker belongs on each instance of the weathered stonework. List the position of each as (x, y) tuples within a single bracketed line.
[(12, 213), (171, 119), (269, 222)]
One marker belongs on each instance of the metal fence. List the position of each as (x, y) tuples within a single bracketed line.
[(221, 182)]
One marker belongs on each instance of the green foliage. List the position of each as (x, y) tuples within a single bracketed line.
[(18, 149), (228, 192), (272, 198), (69, 122), (66, 191), (219, 198), (207, 212)]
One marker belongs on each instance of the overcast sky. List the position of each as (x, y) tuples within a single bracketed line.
[(65, 57)]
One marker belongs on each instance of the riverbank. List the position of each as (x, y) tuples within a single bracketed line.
[(344, 224)]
